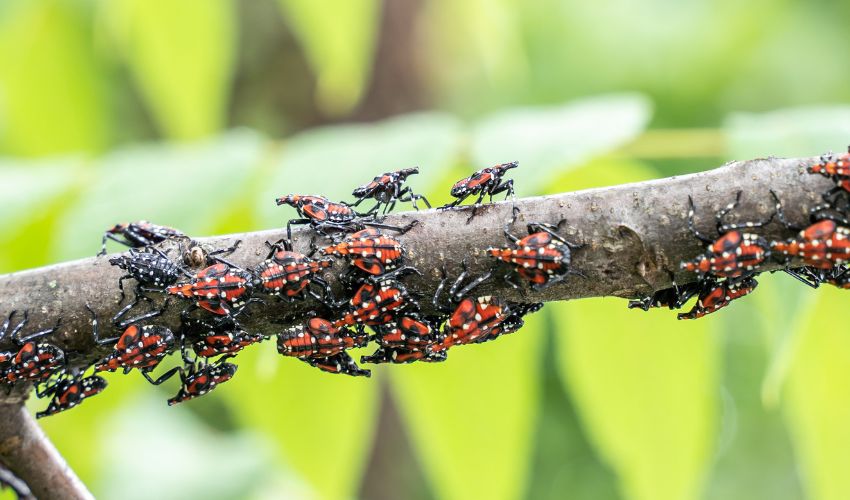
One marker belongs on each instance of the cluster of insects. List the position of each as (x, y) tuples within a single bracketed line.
[(727, 270), (371, 304)]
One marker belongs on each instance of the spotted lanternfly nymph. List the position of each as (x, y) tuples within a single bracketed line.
[(734, 253), (202, 378), (374, 303), (717, 295), (672, 298), (513, 320), (320, 343), (823, 244), (387, 189), (471, 319), (288, 274), (836, 168), (485, 182), (217, 336), (410, 338), (838, 276), (152, 270), (140, 347), (139, 234), (370, 250), (541, 258), (221, 289), (319, 212), (69, 392), (34, 361)]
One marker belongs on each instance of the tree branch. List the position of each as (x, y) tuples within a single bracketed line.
[(27, 453), (635, 235)]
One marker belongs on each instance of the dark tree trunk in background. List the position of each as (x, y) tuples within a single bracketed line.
[(396, 87), (397, 84)]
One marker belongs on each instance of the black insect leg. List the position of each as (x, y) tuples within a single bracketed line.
[(780, 214), (214, 255), (692, 226), (455, 203), (4, 328), (110, 236), (399, 230), (296, 222), (382, 355), (22, 340), (804, 276), (476, 206), (552, 231), (508, 186), (327, 296), (150, 314), (165, 376)]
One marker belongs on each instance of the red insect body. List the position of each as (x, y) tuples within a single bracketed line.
[(472, 320), (407, 340), (319, 338), (34, 361), (141, 347), (202, 379), (323, 345), (374, 304), (822, 245), (835, 167), (231, 342), (218, 288), (69, 393), (541, 258), (485, 180), (370, 251), (716, 296), (386, 186), (288, 273), (319, 208), (732, 255)]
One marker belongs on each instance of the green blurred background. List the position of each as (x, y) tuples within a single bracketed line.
[(197, 113)]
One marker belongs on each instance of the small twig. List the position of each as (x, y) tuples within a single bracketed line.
[(31, 457)]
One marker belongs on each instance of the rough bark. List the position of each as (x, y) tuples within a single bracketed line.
[(634, 236)]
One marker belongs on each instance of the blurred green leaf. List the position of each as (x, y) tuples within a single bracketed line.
[(481, 40), (339, 46), (180, 457), (34, 193), (181, 54), (51, 84), (546, 139), (334, 160), (817, 401), (322, 423), (602, 171), (185, 186), (471, 418), (792, 132), (753, 451), (780, 341), (645, 387)]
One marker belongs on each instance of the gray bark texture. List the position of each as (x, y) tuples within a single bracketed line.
[(634, 237)]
